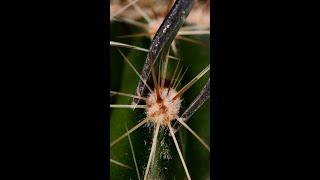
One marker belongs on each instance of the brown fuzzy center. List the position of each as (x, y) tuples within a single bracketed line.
[(163, 109)]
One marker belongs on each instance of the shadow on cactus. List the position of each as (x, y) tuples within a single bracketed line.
[(159, 110)]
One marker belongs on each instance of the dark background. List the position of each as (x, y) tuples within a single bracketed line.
[(264, 90), (55, 77)]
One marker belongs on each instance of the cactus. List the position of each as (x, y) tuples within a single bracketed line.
[(182, 65)]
